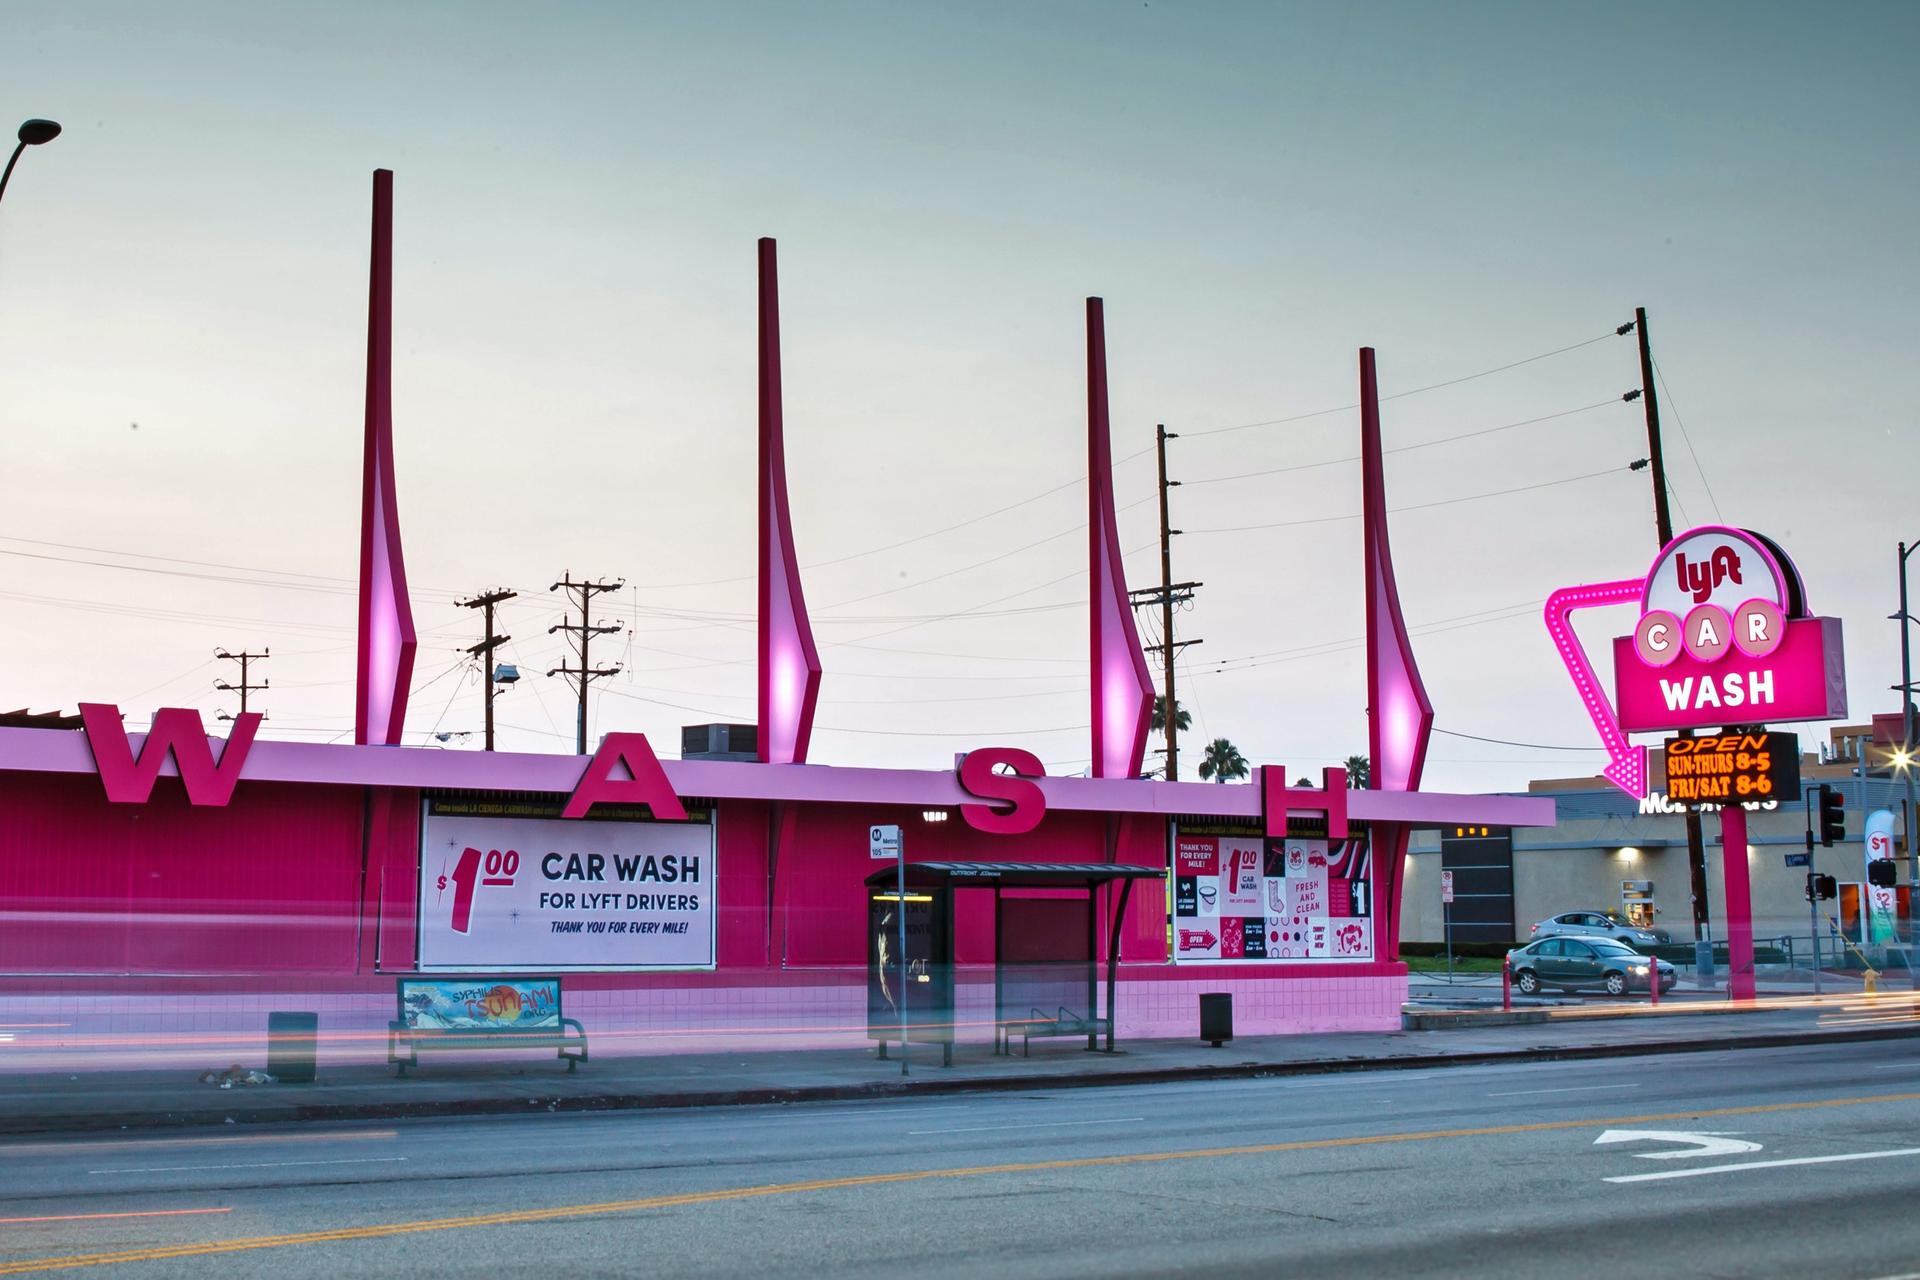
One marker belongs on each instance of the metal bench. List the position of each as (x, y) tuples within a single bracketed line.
[(481, 1013), (1040, 1025)]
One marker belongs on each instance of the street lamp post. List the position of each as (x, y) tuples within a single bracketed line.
[(33, 133), (1905, 759)]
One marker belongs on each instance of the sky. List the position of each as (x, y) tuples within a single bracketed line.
[(1256, 191)]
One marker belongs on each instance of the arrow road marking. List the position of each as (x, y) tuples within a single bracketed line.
[(1700, 1144), (1702, 1170)]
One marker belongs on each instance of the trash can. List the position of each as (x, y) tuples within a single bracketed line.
[(291, 1040), (1703, 962), (1216, 1017)]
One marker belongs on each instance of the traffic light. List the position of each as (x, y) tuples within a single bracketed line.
[(1825, 886), (1881, 873), (1833, 816)]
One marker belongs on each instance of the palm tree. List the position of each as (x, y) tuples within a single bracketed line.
[(1180, 717), (1359, 772), (1223, 762)]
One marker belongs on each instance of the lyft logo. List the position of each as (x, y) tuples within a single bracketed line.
[(1718, 566), (1699, 579)]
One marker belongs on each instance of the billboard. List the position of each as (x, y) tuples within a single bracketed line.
[(1241, 898), (518, 894), (1724, 638)]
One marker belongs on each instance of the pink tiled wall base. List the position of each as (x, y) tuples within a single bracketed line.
[(99, 1032)]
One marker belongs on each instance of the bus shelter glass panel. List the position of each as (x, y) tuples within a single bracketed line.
[(925, 979)]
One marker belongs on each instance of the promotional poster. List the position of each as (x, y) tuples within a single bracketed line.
[(1242, 898), (511, 894)]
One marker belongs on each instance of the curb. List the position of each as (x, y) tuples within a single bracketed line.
[(298, 1113)]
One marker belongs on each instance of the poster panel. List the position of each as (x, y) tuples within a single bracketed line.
[(1878, 838), (1238, 898), (513, 894), (449, 1004)]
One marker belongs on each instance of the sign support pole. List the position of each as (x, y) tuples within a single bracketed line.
[(1733, 865), (1813, 894), (900, 868)]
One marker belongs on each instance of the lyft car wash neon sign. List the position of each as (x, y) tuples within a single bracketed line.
[(1724, 637)]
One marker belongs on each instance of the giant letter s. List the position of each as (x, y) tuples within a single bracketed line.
[(1029, 803)]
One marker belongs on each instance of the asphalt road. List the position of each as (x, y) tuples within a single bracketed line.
[(1808, 1165)]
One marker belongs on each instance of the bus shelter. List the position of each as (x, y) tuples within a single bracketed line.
[(1046, 963)]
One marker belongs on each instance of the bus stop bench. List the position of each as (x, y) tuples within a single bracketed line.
[(482, 1013), (1039, 1024)]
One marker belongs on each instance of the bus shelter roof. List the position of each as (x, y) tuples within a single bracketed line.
[(1014, 875)]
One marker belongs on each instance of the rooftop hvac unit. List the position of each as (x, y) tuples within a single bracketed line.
[(719, 742)]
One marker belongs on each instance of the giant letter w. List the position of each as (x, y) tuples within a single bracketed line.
[(176, 731)]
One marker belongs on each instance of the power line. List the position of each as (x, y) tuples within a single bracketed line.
[(1418, 506), (1407, 448), (1140, 453), (1401, 395), (1672, 404), (1508, 742)]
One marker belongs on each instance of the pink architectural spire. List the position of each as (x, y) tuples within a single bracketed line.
[(1399, 716), (386, 616), (1122, 690), (789, 664)]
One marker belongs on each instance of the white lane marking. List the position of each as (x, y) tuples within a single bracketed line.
[(1704, 1170), (1585, 1088), (268, 1164), (1050, 1124), (1698, 1144)]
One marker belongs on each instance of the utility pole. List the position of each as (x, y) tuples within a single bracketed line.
[(1663, 529), (482, 651), (583, 632), (244, 687), (1166, 596), (1909, 812), (1663, 522)]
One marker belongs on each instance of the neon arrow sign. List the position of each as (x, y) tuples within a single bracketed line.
[(1626, 763)]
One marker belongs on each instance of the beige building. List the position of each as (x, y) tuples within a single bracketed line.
[(1612, 853)]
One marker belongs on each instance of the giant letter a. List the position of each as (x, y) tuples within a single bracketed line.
[(176, 731), (646, 782)]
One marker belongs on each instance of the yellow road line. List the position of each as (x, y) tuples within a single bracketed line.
[(522, 1216)]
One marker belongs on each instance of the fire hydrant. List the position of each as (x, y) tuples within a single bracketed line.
[(1871, 979)]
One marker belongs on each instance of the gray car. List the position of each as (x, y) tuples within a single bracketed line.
[(1584, 964), (1596, 924)]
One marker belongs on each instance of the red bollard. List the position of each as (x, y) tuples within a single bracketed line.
[(1506, 985), (1653, 979)]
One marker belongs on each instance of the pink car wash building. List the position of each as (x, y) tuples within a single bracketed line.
[(170, 888)]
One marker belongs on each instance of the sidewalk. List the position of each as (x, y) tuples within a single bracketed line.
[(1425, 986), (533, 1082)]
